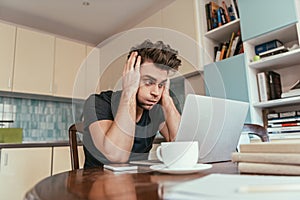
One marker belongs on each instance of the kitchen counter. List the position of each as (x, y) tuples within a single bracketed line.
[(33, 144)]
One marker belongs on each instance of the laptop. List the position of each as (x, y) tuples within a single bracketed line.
[(215, 123)]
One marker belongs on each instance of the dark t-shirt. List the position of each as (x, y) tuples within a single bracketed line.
[(104, 106)]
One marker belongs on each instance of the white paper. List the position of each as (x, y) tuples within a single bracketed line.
[(224, 186)]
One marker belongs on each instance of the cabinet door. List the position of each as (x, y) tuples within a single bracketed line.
[(7, 51), (62, 159), (227, 79), (259, 17), (34, 59), (21, 169), (69, 56)]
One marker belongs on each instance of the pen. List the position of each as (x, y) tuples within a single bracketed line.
[(270, 188)]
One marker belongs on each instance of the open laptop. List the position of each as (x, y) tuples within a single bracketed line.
[(215, 123)]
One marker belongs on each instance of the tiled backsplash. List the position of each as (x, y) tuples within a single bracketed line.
[(41, 120)]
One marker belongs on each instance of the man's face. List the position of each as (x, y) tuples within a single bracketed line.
[(152, 84)]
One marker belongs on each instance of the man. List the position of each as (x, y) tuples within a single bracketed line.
[(121, 126)]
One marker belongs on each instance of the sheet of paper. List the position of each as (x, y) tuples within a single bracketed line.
[(224, 186)]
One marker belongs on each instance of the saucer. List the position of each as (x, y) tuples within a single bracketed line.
[(165, 169)]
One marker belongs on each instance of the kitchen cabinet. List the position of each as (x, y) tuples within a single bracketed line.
[(261, 17), (69, 57), (7, 52), (62, 160), (21, 169), (220, 83), (34, 59)]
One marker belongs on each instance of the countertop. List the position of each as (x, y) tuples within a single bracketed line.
[(33, 144)]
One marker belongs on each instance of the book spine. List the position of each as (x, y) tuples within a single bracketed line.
[(226, 13), (270, 148), (279, 158), (285, 124), (283, 129), (282, 120), (208, 17), (263, 86), (230, 45), (264, 168), (274, 84)]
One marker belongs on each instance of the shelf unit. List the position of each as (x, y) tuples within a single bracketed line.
[(217, 35), (286, 64)]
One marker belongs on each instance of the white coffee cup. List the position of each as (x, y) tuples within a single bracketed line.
[(178, 154)]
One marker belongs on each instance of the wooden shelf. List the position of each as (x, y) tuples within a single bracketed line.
[(278, 102), (282, 60), (223, 33)]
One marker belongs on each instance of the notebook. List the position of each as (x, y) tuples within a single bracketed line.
[(215, 123)]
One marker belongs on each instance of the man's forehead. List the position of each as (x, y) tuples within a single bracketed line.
[(148, 70)]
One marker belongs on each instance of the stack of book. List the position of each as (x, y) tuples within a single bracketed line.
[(269, 85), (283, 124), (269, 158), (232, 47), (218, 15)]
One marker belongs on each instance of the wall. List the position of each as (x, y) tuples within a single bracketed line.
[(41, 120)]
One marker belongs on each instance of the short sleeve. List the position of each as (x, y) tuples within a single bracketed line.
[(97, 107)]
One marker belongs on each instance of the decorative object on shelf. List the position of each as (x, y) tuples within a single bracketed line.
[(293, 91)]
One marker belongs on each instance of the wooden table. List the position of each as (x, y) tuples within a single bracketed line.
[(104, 184)]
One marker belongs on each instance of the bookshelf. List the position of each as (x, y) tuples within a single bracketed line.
[(287, 64), (258, 24)]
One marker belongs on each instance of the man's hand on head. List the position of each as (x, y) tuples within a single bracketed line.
[(131, 74)]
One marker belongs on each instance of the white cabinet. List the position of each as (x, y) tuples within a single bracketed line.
[(62, 159), (21, 169), (69, 56), (34, 59), (7, 52)]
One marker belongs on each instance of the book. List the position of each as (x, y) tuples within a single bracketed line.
[(285, 124), (271, 147), (282, 120), (208, 17), (235, 43), (278, 158), (223, 51), (231, 13), (281, 129), (230, 45), (266, 53), (267, 168), (226, 13), (287, 114), (269, 85), (274, 84), (263, 87), (236, 8), (267, 46), (213, 14)]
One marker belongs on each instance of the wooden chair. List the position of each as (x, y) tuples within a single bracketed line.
[(73, 130), (258, 130)]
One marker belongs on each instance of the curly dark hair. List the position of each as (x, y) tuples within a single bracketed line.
[(162, 55)]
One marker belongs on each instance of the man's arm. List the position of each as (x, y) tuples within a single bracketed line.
[(115, 138), (172, 117)]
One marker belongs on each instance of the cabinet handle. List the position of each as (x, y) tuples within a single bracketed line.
[(5, 159), (9, 82)]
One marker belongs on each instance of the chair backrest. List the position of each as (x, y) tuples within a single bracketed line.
[(73, 130), (258, 130)]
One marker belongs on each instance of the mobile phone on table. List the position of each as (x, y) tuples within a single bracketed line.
[(120, 167)]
